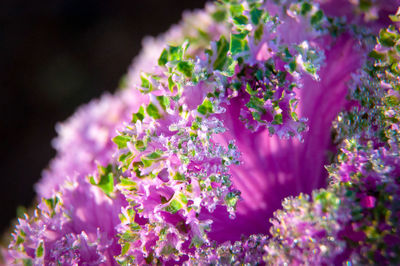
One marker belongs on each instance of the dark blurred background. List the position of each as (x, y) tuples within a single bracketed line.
[(54, 56)]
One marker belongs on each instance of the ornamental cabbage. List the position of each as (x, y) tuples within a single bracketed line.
[(254, 132)]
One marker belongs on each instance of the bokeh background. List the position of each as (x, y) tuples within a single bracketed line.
[(54, 56)]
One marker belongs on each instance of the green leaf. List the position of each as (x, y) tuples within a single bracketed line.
[(236, 10), (240, 20), (127, 184), (195, 125), (317, 17), (171, 84), (183, 198), (40, 250), (51, 203), (219, 15), (125, 157), (231, 199), (327, 200), (152, 111), (222, 50), (163, 58), (249, 90), (121, 141), (230, 70), (20, 240), (238, 43), (310, 68), (255, 102), (365, 5), (146, 162), (140, 145), (174, 206), (139, 115), (27, 262), (175, 53), (277, 119), (305, 8), (186, 68), (388, 37), (205, 107), (164, 101), (179, 176), (154, 155), (376, 55), (125, 248), (395, 18), (150, 158), (255, 15), (294, 116), (106, 183), (292, 66), (259, 32), (242, 35), (145, 82)]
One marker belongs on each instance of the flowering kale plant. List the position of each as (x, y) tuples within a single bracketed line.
[(255, 132)]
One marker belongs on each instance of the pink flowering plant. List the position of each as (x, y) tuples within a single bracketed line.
[(255, 132)]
